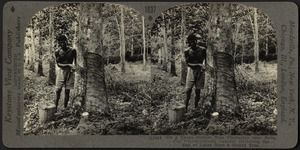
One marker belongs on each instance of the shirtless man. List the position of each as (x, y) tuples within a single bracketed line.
[(195, 57), (66, 61)]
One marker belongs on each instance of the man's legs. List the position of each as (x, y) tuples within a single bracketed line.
[(58, 91), (197, 97), (187, 99), (67, 96), (198, 85)]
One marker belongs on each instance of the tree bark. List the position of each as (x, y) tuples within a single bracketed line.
[(165, 49), (256, 44), (183, 63), (32, 50), (90, 87), (243, 49), (80, 74), (96, 88), (236, 38), (144, 43), (52, 75), (159, 56), (172, 57), (123, 51), (220, 88), (40, 55), (99, 30), (132, 49)]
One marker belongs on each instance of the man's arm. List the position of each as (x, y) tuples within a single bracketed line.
[(186, 57), (194, 65), (64, 65)]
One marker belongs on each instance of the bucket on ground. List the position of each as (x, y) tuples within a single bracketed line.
[(176, 112), (46, 112), (84, 117)]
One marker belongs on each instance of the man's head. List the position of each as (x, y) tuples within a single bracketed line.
[(192, 40), (62, 41)]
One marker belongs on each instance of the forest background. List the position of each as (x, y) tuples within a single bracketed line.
[(142, 70)]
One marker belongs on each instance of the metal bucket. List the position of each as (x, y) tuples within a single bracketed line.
[(176, 112), (46, 112)]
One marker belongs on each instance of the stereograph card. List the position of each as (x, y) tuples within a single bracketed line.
[(150, 74)]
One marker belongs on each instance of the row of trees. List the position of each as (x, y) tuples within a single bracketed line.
[(253, 34), (98, 31), (107, 30), (122, 30)]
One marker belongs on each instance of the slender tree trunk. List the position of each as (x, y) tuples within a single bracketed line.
[(32, 52), (165, 50), (74, 45), (267, 46), (120, 38), (132, 50), (52, 75), (172, 58), (183, 63), (40, 64), (144, 43), (243, 49), (256, 45), (159, 56), (40, 55), (123, 51), (236, 38)]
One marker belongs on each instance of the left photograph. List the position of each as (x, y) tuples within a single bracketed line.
[(87, 71)]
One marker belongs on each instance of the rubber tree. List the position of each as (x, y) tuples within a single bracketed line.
[(220, 87), (183, 40), (90, 86), (51, 75)]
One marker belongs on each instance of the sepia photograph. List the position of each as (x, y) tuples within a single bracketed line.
[(198, 69)]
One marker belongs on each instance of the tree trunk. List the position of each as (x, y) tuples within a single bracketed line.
[(96, 97), (120, 38), (236, 38), (165, 50), (256, 45), (220, 87), (52, 75), (132, 49), (243, 49), (40, 60), (123, 51), (99, 28), (40, 68), (172, 58), (267, 48), (90, 87), (226, 86), (32, 52), (144, 43), (159, 56), (183, 63)]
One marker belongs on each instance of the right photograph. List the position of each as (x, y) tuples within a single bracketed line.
[(213, 71)]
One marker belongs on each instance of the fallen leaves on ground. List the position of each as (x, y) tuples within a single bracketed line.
[(139, 104)]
